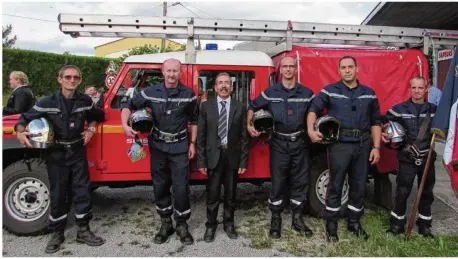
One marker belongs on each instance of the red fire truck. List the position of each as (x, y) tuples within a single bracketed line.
[(386, 70)]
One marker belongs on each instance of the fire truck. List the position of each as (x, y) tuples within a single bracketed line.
[(387, 58)]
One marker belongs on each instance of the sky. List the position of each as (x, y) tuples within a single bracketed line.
[(36, 27)]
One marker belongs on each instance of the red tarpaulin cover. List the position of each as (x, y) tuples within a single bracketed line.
[(386, 71)]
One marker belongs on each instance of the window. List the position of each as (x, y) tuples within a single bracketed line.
[(241, 84), (135, 81)]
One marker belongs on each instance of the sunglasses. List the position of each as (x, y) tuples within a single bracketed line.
[(68, 77)]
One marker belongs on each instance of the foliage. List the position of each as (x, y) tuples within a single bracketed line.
[(145, 49), (41, 68), (6, 41)]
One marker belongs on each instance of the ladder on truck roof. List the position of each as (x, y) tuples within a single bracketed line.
[(284, 33)]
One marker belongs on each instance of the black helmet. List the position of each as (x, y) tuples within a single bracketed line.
[(263, 121), (141, 121), (395, 134), (41, 133), (329, 127)]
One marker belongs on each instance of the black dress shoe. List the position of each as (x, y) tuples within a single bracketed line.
[(356, 228), (231, 232), (395, 230), (425, 231), (183, 233), (85, 235), (209, 235), (331, 232)]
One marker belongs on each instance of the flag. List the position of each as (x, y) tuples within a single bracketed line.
[(445, 122)]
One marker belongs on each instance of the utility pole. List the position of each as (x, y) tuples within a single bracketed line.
[(164, 13)]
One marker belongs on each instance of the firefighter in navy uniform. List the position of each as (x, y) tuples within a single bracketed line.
[(288, 102), (67, 110), (412, 115), (173, 105), (356, 107)]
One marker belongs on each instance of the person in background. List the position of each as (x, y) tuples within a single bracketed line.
[(22, 98), (434, 95)]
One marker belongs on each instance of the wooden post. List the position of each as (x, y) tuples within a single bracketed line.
[(413, 215)]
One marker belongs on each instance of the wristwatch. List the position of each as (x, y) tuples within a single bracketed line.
[(374, 147), (193, 142), (91, 129)]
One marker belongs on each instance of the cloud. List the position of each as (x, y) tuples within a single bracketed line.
[(44, 34)]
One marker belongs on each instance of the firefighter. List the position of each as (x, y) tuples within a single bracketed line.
[(356, 107), (413, 116), (67, 110), (288, 102), (173, 105)]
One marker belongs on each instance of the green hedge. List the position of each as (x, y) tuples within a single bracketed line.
[(42, 68)]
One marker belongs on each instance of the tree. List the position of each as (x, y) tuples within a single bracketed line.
[(8, 43), (146, 49)]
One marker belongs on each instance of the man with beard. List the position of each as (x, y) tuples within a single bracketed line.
[(288, 102), (356, 107), (222, 152), (413, 115), (173, 105)]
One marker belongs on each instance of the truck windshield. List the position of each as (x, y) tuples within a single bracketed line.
[(241, 83), (135, 81)]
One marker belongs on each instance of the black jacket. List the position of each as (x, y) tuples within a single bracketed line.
[(208, 141), (411, 119), (68, 125), (20, 101)]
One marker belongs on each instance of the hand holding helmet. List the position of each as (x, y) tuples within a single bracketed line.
[(139, 121), (393, 135), (326, 130), (262, 122), (39, 133)]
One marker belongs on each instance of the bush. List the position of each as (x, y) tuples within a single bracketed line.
[(42, 68)]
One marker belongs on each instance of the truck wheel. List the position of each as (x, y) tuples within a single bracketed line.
[(318, 186), (26, 198)]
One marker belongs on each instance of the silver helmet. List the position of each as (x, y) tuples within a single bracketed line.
[(41, 133), (141, 121), (329, 127), (263, 121), (395, 134)]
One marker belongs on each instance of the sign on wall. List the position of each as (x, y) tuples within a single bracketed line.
[(445, 54)]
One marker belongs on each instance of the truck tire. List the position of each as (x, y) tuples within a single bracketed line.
[(319, 179), (26, 198)]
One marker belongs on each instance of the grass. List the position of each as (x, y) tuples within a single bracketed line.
[(257, 223)]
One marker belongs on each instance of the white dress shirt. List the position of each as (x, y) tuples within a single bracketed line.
[(228, 106)]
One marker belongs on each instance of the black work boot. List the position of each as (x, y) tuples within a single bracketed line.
[(165, 231), (395, 229), (54, 243), (425, 231), (299, 225), (331, 231), (85, 235), (275, 225), (354, 226), (183, 233)]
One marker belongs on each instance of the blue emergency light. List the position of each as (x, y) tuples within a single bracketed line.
[(211, 46)]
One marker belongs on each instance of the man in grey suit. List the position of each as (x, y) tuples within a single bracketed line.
[(222, 152)]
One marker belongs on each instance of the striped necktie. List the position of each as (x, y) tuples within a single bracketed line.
[(222, 122)]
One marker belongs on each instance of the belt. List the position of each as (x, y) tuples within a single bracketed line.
[(68, 143), (169, 137), (289, 136), (352, 132)]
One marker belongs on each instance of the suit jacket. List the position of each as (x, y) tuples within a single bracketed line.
[(22, 100), (208, 141)]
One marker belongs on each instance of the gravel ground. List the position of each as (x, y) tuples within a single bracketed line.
[(127, 220)]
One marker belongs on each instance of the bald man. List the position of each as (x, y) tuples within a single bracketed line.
[(173, 105), (288, 102)]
